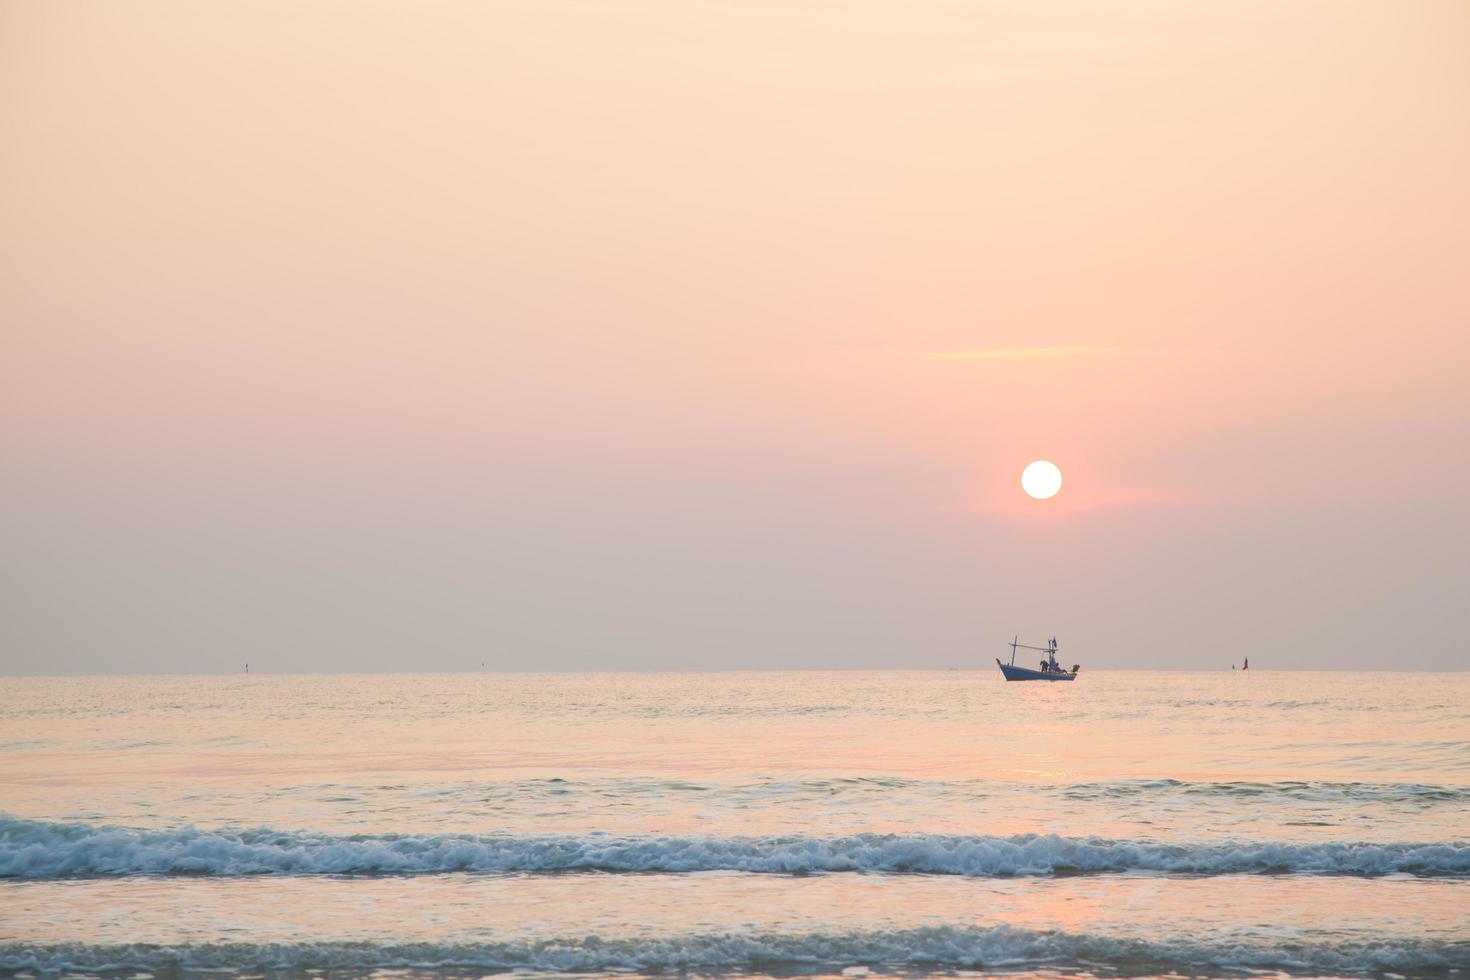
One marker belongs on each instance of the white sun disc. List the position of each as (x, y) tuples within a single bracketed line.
[(1041, 479)]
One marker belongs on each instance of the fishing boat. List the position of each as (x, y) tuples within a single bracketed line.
[(1050, 669)]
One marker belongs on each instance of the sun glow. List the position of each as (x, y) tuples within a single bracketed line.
[(1041, 479)]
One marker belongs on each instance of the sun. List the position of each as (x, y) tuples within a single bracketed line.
[(1041, 479)]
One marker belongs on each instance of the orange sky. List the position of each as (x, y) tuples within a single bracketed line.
[(666, 334)]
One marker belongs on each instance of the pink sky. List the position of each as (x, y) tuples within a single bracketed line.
[(661, 334)]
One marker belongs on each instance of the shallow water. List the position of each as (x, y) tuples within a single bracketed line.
[(762, 823)]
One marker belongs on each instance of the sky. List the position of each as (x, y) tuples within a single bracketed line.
[(683, 334)]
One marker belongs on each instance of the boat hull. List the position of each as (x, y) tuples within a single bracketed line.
[(1013, 673)]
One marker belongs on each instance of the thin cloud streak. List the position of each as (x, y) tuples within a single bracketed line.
[(1005, 499), (1021, 353)]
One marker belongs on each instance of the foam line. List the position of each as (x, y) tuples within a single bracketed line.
[(913, 950), (40, 850)]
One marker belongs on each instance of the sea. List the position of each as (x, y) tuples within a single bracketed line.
[(775, 824)]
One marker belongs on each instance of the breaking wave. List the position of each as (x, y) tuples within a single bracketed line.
[(1314, 791), (40, 850), (925, 949)]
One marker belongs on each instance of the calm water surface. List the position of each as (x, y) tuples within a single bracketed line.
[(883, 823)]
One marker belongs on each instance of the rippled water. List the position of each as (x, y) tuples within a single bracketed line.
[(764, 823)]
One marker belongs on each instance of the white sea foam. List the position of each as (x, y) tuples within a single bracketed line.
[(38, 850), (925, 949)]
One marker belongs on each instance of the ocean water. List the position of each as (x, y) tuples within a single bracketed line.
[(736, 824)]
